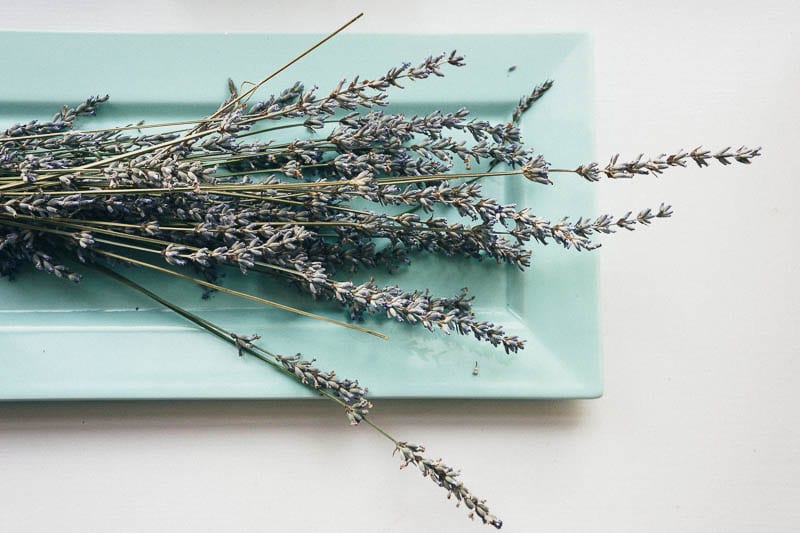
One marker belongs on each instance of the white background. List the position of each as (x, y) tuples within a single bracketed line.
[(698, 429)]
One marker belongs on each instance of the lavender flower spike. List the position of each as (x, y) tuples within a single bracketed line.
[(447, 478)]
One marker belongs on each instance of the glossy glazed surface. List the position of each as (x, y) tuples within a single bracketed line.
[(101, 340)]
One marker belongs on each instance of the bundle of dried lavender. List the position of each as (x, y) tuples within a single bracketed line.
[(222, 192)]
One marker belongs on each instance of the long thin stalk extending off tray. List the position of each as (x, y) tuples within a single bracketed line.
[(411, 454)]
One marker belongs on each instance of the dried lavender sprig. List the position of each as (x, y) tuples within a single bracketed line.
[(418, 307), (578, 234), (23, 245), (378, 124), (447, 478), (344, 392), (61, 121), (348, 391), (351, 95), (114, 129), (616, 169), (528, 100)]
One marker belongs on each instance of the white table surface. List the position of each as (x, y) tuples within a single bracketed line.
[(698, 429)]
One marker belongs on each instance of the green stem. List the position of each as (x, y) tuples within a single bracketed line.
[(256, 351), (240, 294), (207, 325)]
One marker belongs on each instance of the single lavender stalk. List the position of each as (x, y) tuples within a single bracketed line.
[(61, 121), (527, 101), (447, 478), (616, 169), (578, 234), (346, 393)]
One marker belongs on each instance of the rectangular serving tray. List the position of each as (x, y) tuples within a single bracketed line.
[(100, 340)]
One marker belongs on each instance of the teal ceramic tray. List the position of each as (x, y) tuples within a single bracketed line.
[(99, 340)]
